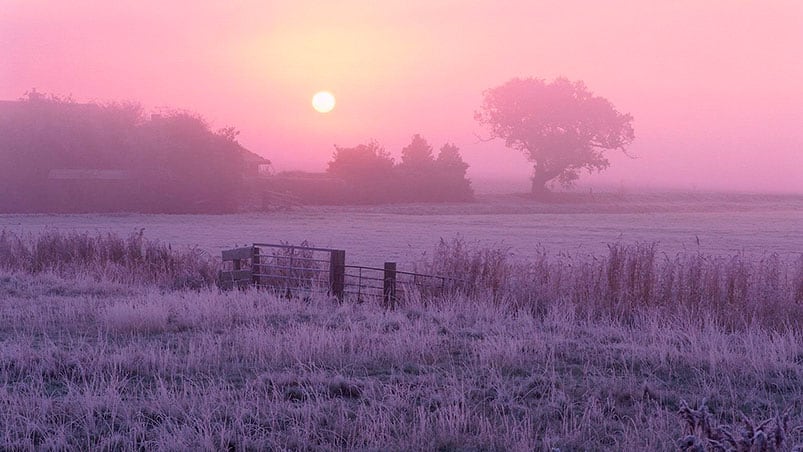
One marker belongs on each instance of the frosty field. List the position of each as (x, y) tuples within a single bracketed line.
[(676, 345), (100, 366), (711, 224)]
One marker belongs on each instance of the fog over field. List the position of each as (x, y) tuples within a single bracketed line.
[(402, 225), (714, 87), (406, 233)]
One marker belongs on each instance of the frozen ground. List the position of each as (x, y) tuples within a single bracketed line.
[(101, 366), (712, 224), (572, 359)]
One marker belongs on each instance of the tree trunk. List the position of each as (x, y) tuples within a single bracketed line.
[(539, 188)]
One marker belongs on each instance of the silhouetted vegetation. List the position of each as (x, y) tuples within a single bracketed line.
[(561, 127), (368, 171), (372, 176), (62, 156)]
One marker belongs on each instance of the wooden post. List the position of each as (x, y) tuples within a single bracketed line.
[(337, 273), (236, 265), (389, 285), (238, 277), (255, 267)]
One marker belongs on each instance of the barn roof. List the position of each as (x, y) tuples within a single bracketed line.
[(253, 158)]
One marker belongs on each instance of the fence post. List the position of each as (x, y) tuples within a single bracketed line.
[(255, 266), (236, 265), (389, 285), (337, 273)]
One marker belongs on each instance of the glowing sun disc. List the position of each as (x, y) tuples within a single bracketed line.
[(323, 101)]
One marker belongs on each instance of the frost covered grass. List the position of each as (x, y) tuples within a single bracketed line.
[(121, 344), (107, 257), (737, 290), (88, 365)]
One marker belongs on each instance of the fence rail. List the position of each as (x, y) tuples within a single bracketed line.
[(290, 269)]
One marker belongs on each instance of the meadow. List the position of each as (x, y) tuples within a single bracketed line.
[(123, 342), (717, 224), (105, 366)]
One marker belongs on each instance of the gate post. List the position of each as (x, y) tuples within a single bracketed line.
[(337, 273), (389, 285), (255, 267)]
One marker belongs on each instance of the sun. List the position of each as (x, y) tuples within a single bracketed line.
[(323, 101)]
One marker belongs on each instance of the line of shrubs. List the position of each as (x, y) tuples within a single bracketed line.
[(372, 175), (367, 174)]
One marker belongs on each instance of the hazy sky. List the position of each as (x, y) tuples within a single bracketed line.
[(716, 87)]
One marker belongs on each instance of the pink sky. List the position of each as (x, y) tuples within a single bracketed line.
[(716, 87)]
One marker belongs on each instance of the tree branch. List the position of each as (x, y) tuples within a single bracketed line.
[(481, 139)]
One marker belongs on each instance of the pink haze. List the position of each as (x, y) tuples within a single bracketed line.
[(716, 87)]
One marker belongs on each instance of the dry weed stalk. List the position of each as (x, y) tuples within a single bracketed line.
[(703, 436)]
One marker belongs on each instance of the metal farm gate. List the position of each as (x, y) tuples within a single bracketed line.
[(287, 268), (292, 270)]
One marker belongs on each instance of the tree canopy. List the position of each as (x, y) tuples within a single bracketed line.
[(417, 155), (372, 176), (362, 161), (560, 126)]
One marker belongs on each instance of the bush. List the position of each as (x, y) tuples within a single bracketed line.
[(367, 169)]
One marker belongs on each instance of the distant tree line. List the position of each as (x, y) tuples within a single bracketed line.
[(59, 155), (371, 175)]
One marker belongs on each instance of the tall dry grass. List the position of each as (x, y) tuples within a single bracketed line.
[(737, 290), (108, 257)]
